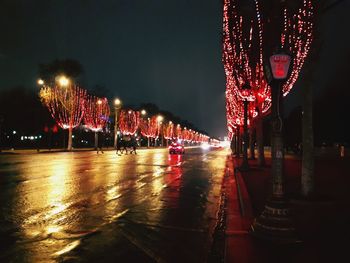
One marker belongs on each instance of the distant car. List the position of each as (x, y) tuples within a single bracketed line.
[(176, 148)]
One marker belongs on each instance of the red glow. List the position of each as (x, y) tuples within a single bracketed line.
[(129, 121), (96, 113), (280, 65), (243, 53)]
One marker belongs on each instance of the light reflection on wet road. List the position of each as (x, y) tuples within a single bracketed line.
[(149, 207)]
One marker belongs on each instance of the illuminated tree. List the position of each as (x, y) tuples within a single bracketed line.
[(96, 115), (178, 132), (168, 131), (66, 104), (149, 128), (129, 121), (248, 40)]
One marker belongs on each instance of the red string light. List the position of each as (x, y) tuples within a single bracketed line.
[(129, 121), (96, 113), (243, 56), (65, 104)]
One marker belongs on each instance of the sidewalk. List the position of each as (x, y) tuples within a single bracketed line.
[(323, 225)]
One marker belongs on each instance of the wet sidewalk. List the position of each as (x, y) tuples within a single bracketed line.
[(322, 224)]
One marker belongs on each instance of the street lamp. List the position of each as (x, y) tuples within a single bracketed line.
[(117, 106), (40, 82), (143, 115), (159, 123), (275, 223), (63, 81)]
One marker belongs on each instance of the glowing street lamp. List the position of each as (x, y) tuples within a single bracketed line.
[(40, 82), (275, 221), (63, 81), (117, 106), (159, 124)]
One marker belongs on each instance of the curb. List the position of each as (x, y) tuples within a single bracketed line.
[(239, 216)]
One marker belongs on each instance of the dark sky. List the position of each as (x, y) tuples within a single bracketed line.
[(163, 51)]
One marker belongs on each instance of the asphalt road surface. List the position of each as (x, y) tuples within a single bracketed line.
[(88, 207)]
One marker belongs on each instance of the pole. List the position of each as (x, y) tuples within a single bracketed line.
[(116, 128), (275, 223)]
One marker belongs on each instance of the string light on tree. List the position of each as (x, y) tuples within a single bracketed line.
[(96, 114), (66, 104), (129, 121), (243, 52)]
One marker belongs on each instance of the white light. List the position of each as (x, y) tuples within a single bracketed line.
[(63, 81), (14, 132), (21, 138), (205, 146), (36, 137), (72, 136)]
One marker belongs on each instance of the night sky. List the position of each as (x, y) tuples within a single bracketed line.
[(166, 52)]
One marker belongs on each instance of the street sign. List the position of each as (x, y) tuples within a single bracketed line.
[(280, 65)]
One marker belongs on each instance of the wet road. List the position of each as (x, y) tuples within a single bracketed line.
[(80, 206)]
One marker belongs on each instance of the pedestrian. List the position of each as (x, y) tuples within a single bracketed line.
[(100, 141), (133, 145), (119, 147)]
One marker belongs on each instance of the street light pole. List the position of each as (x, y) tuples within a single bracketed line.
[(65, 82), (275, 222), (159, 127), (117, 105)]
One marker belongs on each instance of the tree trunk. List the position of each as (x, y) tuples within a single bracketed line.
[(238, 143), (70, 141), (148, 142), (232, 145), (96, 140), (307, 172), (252, 143), (260, 140)]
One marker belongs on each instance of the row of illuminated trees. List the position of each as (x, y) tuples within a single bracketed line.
[(154, 127), (71, 106), (264, 50), (249, 38)]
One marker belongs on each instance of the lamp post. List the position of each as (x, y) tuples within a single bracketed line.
[(143, 114), (64, 82), (275, 223), (246, 98), (117, 106), (159, 124)]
